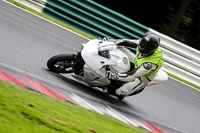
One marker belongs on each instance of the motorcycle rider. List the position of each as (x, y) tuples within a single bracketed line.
[(147, 64)]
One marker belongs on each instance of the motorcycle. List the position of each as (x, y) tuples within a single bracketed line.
[(91, 64)]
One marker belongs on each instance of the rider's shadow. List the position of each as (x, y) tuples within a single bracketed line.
[(94, 93)]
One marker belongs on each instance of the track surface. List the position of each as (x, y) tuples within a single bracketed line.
[(27, 41)]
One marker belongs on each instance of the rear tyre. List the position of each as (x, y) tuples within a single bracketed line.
[(61, 63)]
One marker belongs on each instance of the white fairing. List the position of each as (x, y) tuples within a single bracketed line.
[(97, 54)]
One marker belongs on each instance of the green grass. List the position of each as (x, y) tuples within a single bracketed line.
[(84, 34), (25, 111)]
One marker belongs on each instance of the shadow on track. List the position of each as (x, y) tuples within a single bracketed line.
[(93, 92)]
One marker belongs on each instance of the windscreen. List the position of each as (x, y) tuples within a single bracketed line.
[(104, 51)]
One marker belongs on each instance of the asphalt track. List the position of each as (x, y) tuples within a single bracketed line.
[(27, 41)]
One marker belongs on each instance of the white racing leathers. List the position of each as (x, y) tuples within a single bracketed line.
[(136, 79)]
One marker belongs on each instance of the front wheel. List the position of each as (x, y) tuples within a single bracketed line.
[(61, 63)]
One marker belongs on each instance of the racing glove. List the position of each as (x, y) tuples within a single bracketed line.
[(112, 76), (126, 43)]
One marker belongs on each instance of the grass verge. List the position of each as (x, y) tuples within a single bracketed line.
[(83, 34), (25, 111)]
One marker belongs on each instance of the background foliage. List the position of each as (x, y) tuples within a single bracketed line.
[(178, 19)]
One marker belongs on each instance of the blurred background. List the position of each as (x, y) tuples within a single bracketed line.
[(178, 19)]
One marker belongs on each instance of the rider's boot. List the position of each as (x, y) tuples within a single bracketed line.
[(130, 88), (121, 97)]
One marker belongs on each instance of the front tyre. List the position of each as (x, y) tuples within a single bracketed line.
[(62, 63)]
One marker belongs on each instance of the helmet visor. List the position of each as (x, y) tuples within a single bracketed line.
[(145, 48)]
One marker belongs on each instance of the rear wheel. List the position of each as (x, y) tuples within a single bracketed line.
[(61, 63)]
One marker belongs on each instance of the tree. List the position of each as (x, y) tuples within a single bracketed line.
[(178, 17)]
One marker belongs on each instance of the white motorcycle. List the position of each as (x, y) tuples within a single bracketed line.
[(91, 64)]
